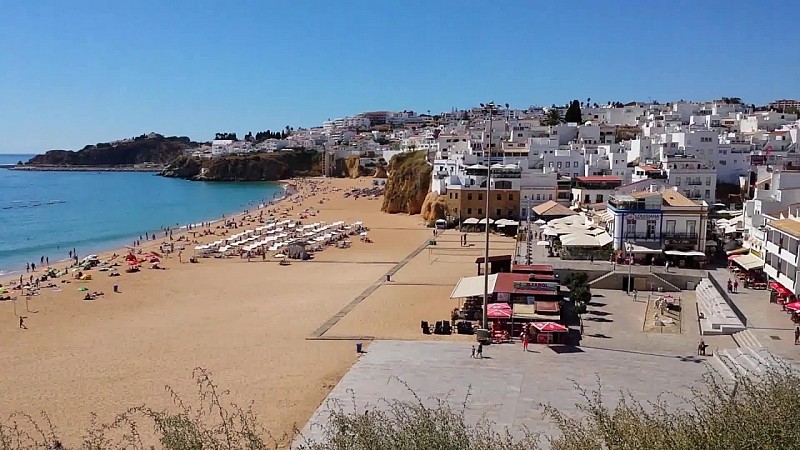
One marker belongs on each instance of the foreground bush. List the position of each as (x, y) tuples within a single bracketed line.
[(746, 414)]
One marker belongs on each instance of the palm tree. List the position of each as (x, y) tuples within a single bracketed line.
[(553, 117)]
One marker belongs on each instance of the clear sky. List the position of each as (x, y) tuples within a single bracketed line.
[(80, 72)]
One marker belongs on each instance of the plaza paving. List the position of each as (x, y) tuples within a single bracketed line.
[(509, 386)]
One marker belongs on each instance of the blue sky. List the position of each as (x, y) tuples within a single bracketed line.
[(82, 72)]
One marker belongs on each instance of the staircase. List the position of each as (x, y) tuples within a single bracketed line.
[(665, 282), (601, 278), (746, 338)]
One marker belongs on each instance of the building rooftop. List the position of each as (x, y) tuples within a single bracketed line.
[(788, 226), (600, 179), (643, 194), (675, 198), (551, 208)]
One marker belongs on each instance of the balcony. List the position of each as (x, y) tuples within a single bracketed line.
[(674, 235), (695, 183), (641, 237)]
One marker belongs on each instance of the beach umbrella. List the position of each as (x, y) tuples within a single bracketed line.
[(543, 243), (539, 222), (794, 306)]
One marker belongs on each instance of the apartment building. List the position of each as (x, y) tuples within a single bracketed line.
[(594, 190), (782, 250)]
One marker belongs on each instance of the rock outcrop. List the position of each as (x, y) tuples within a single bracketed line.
[(434, 207), (152, 148), (250, 167), (380, 170), (408, 183)]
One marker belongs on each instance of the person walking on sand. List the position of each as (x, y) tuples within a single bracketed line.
[(22, 323), (27, 267), (797, 335), (47, 260), (33, 267)]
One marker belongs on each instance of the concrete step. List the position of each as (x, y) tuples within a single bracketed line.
[(676, 288), (743, 363), (601, 277), (723, 365), (746, 338)]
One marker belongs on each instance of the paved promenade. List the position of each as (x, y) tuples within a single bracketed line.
[(508, 386)]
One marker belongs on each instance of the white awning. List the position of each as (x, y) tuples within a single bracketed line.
[(471, 221), (749, 262), (633, 248), (473, 286), (680, 253)]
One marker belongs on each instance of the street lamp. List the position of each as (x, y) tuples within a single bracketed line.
[(490, 108), (629, 250)]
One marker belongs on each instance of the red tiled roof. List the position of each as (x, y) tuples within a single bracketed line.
[(600, 178), (532, 268)]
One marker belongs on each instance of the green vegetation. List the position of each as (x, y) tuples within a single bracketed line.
[(247, 167), (573, 114), (745, 414), (553, 117), (579, 291), (225, 136), (152, 148)]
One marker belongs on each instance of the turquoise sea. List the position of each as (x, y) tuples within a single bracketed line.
[(50, 213)]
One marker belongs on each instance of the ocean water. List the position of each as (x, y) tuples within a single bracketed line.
[(50, 213)]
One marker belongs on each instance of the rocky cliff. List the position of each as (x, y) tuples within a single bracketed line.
[(434, 207), (251, 167), (408, 183), (152, 148)]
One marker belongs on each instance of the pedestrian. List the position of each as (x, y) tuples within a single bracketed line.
[(47, 260), (591, 259), (33, 267), (581, 319), (524, 340), (41, 260), (635, 294), (730, 285), (666, 266), (480, 350), (701, 348), (179, 257), (27, 267), (797, 335), (473, 352), (22, 322), (735, 286), (70, 254)]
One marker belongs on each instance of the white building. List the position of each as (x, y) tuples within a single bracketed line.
[(782, 250)]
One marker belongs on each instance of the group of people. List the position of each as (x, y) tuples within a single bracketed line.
[(733, 286)]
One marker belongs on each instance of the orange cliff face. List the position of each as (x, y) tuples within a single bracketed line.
[(408, 183)]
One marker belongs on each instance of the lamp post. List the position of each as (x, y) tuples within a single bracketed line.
[(490, 108), (629, 250)]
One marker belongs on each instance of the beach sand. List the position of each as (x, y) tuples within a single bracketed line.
[(246, 322)]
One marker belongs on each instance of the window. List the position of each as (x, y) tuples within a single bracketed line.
[(469, 196), (456, 195), (599, 198), (670, 227), (538, 196), (708, 193), (499, 212), (480, 211), (511, 197), (558, 165), (551, 197), (451, 195), (708, 181), (677, 181), (499, 197), (480, 196), (691, 226), (651, 229), (469, 210)]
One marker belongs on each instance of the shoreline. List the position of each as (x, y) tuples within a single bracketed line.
[(288, 187), (47, 168)]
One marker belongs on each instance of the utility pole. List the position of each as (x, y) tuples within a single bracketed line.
[(489, 107)]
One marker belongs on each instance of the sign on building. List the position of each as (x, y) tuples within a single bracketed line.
[(536, 286)]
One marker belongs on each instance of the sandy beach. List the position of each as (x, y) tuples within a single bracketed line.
[(246, 322)]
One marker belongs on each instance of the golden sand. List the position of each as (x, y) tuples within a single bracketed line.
[(246, 322)]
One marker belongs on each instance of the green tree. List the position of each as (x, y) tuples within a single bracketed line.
[(573, 114), (553, 117)]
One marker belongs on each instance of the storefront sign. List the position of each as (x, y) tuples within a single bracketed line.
[(536, 286), (632, 217)]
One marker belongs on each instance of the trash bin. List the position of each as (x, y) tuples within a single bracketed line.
[(116, 288), (358, 347)]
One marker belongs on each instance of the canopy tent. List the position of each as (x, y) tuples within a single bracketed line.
[(482, 221), (633, 248), (777, 287), (539, 222), (543, 243), (550, 327), (794, 306), (498, 311), (470, 221), (688, 253), (749, 262), (473, 286), (585, 240)]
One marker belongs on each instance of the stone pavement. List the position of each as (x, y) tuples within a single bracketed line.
[(508, 386), (771, 326)]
